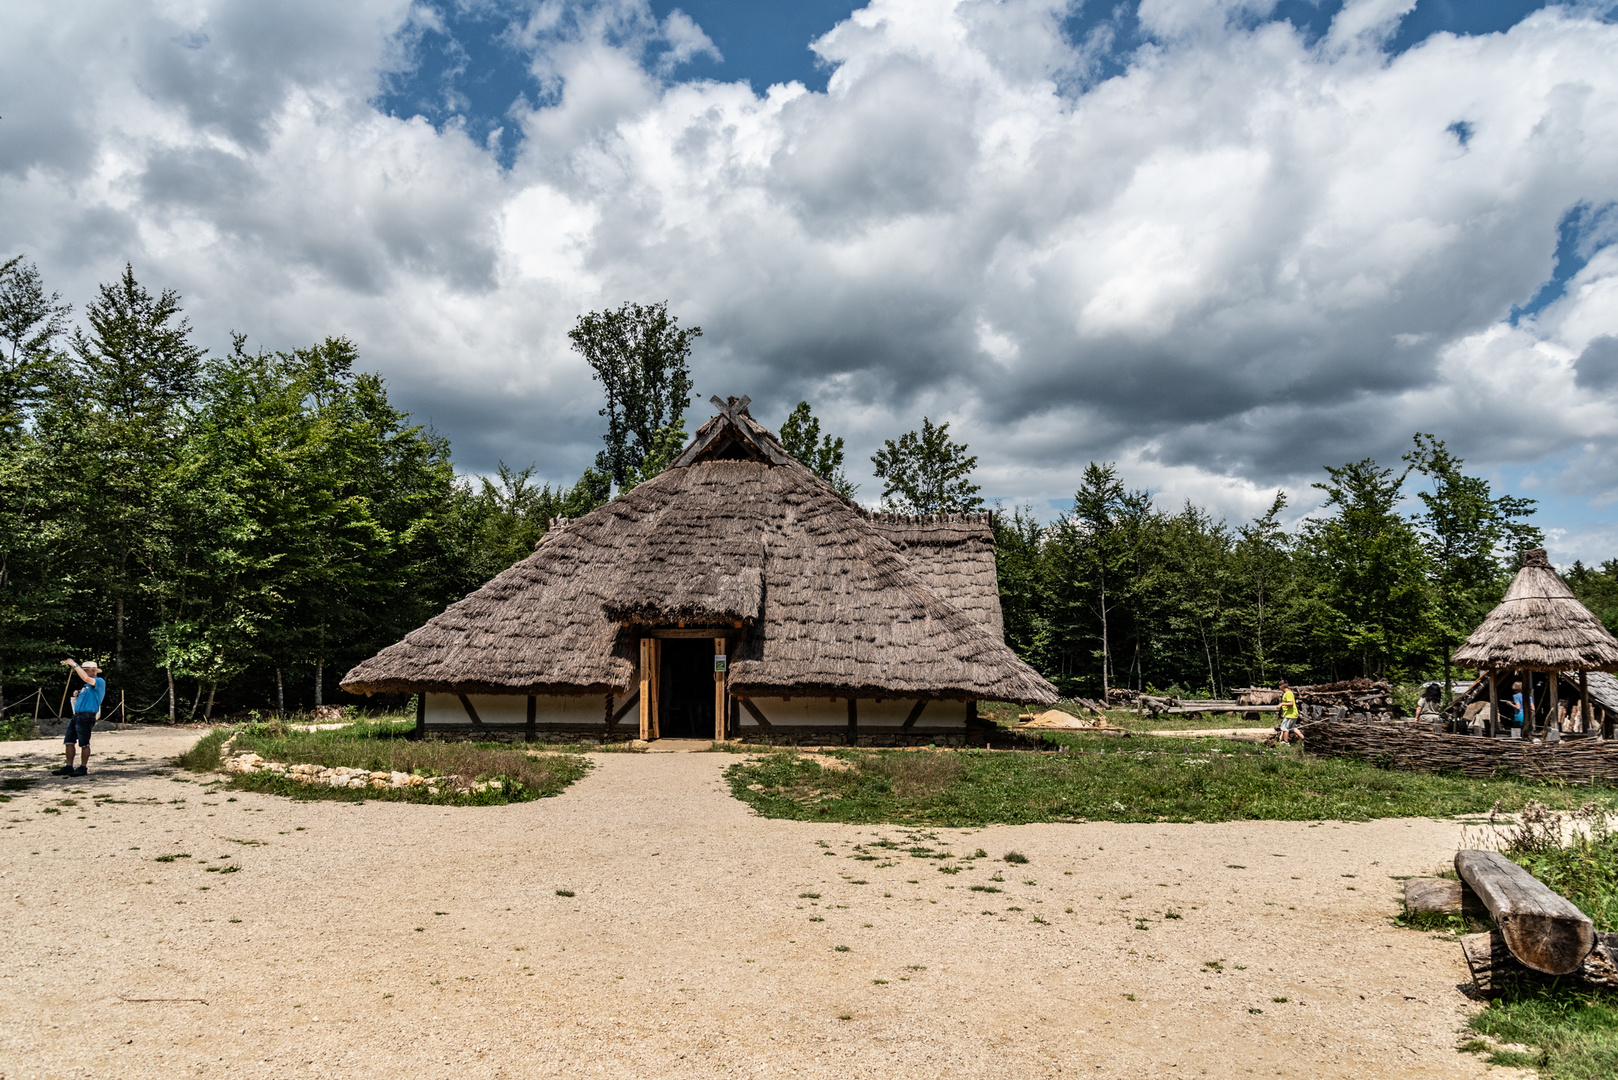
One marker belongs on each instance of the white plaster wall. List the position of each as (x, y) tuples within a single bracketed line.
[(824, 712), (496, 709)]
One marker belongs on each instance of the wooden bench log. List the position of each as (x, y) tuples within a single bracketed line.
[(1542, 929), (1491, 962), (1441, 896)]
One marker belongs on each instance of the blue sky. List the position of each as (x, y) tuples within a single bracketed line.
[(1220, 242)]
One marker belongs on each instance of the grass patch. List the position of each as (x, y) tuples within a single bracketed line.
[(511, 775), (1103, 778)]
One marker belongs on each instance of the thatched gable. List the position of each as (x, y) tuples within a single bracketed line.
[(1540, 625), (734, 532)]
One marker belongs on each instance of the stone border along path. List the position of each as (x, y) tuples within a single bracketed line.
[(644, 923)]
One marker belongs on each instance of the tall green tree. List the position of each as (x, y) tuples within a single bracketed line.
[(1467, 531), (1263, 572), (115, 428), (923, 472), (1369, 597), (33, 589), (1597, 589), (820, 454), (641, 356)]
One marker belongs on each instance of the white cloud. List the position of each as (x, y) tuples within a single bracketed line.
[(1239, 260)]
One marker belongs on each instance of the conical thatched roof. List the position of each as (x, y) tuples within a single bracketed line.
[(1540, 625), (831, 600)]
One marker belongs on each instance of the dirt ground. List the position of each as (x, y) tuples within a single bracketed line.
[(384, 939)]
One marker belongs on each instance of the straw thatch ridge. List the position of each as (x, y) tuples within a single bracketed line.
[(1540, 626), (735, 531)]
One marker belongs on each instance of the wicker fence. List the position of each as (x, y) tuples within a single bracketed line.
[(1411, 748)]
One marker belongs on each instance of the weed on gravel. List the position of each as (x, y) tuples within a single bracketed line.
[(1106, 779)]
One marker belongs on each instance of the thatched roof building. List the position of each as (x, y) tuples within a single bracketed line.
[(801, 592), (1540, 626)]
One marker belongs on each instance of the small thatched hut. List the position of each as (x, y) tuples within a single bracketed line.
[(1541, 635), (734, 594)]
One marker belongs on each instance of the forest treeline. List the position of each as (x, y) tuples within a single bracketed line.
[(1123, 592), (235, 531)]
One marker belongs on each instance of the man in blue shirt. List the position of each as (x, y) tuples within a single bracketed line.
[(86, 708)]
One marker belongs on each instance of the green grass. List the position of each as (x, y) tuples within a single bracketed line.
[(1103, 778), (513, 774)]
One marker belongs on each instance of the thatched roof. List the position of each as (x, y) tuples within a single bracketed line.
[(833, 601), (1540, 625)]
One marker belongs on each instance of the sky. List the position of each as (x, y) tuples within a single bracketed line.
[(1222, 243)]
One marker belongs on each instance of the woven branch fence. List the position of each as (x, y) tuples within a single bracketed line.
[(1411, 748)]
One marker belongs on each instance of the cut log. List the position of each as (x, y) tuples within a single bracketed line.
[(1441, 896), (1542, 929), (1491, 963)]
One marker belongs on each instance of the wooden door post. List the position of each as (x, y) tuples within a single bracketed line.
[(657, 688), (533, 716), (421, 715), (645, 689), (853, 723), (719, 678)]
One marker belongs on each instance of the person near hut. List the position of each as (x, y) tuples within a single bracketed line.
[(1517, 704), (86, 710), (1289, 714), (1427, 709)]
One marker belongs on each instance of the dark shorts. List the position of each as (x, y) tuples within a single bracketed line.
[(79, 728)]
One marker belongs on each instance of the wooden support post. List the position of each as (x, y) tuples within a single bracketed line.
[(1493, 726), (1543, 929), (657, 689), (645, 694), (719, 689), (1553, 705), (421, 715), (533, 709), (466, 703), (853, 723), (1585, 717)]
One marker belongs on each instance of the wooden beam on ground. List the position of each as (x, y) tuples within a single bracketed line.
[(1542, 929), (466, 703), (915, 714), (754, 712), (1493, 966), (1441, 896)]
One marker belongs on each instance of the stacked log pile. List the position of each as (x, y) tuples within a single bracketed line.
[(1413, 747), (1538, 932), (1350, 696)]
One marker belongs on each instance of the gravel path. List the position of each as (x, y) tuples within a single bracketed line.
[(385, 939)]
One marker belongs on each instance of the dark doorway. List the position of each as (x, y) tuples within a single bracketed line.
[(686, 699)]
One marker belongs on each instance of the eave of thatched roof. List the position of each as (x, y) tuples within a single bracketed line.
[(736, 531), (1540, 625)]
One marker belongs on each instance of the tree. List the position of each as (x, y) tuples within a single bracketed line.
[(1262, 568), (30, 323), (1597, 589), (640, 355), (1020, 567), (1465, 530), (924, 473), (820, 454), (1369, 590), (32, 523)]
